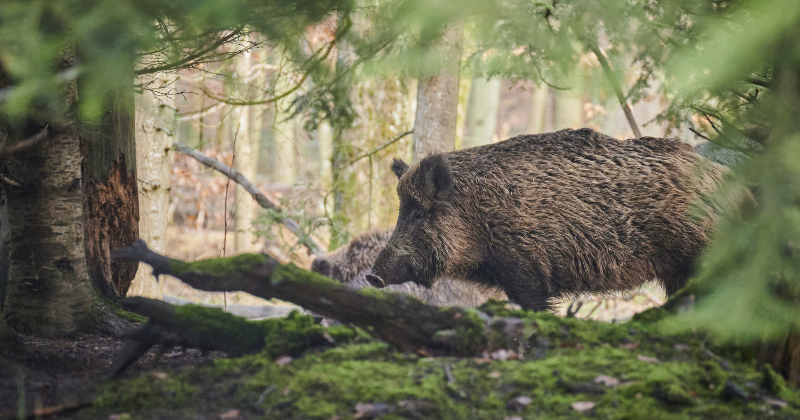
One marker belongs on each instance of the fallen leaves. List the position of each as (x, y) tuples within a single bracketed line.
[(583, 406), (606, 380), (519, 403), (648, 359)]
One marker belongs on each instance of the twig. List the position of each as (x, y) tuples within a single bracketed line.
[(759, 82), (616, 87), (379, 148), (7, 150), (274, 98), (261, 198)]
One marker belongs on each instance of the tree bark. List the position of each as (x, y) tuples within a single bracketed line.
[(48, 291), (155, 124), (481, 120), (437, 101), (246, 162)]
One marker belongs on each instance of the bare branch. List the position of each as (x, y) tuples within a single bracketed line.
[(274, 98), (261, 198), (379, 148), (616, 87)]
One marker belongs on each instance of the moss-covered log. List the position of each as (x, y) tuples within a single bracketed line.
[(400, 320), (212, 329)]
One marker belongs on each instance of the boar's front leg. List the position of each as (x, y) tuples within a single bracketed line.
[(534, 300)]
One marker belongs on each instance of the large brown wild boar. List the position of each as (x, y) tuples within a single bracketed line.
[(553, 214), (351, 263)]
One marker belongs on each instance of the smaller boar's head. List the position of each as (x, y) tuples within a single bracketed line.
[(418, 248)]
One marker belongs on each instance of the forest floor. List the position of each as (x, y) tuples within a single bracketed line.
[(59, 375), (567, 368)]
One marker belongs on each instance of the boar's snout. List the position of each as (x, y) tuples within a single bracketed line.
[(376, 281)]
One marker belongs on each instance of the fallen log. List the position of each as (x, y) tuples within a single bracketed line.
[(207, 329), (400, 320)]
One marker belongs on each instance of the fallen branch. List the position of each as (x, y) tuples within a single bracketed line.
[(261, 198), (400, 320), (209, 329)]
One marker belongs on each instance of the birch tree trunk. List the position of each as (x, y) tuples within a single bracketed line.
[(437, 101), (48, 291), (481, 120), (246, 162), (154, 125)]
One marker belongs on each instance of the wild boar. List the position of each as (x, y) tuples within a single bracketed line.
[(551, 215), (352, 262)]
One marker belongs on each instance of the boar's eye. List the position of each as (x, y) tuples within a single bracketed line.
[(417, 215)]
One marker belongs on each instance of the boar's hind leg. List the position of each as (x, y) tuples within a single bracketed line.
[(675, 278), (534, 300)]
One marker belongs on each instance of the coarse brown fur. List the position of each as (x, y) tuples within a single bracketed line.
[(554, 214), (352, 262)]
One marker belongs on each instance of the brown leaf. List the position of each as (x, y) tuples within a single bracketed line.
[(283, 360), (630, 345), (582, 405), (606, 380), (230, 414), (518, 404), (370, 410), (648, 359)]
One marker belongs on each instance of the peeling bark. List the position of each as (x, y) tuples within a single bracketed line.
[(111, 203)]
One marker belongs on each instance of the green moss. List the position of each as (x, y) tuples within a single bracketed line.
[(144, 392), (118, 311), (220, 266), (683, 383), (469, 331), (294, 273)]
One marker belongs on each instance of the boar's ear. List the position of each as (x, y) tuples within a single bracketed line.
[(399, 167), (438, 179)]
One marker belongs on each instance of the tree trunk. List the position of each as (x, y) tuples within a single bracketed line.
[(283, 136), (246, 162), (48, 291), (111, 202), (154, 125), (437, 101), (537, 120), (481, 120)]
